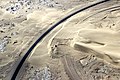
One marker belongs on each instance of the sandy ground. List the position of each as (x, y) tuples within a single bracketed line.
[(93, 32)]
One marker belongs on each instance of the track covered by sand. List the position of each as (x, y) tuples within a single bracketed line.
[(86, 39)]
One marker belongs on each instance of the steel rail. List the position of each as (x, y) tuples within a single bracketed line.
[(47, 32)]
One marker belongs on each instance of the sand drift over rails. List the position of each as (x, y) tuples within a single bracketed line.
[(47, 32)]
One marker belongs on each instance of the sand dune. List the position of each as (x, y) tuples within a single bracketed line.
[(105, 41)]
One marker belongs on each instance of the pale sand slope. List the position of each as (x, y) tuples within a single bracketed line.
[(103, 41), (101, 33)]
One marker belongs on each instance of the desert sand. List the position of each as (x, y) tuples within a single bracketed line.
[(85, 47)]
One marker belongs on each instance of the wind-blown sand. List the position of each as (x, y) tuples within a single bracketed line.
[(89, 37)]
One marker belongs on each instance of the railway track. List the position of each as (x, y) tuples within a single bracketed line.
[(21, 61)]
